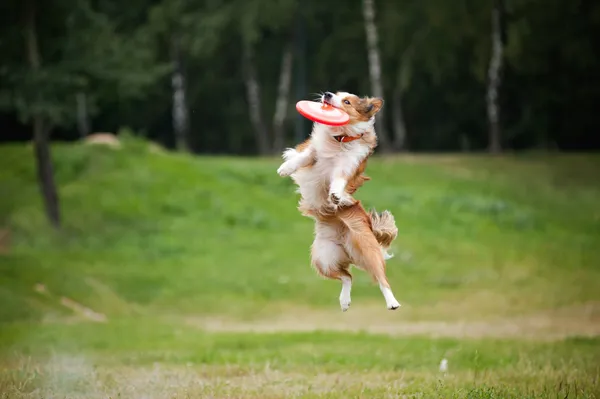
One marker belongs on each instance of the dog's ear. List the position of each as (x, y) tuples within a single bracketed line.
[(374, 105)]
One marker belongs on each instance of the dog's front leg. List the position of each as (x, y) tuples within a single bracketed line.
[(295, 160), (337, 189)]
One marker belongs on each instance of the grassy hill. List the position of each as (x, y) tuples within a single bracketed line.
[(178, 253)]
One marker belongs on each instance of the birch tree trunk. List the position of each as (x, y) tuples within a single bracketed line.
[(465, 143), (253, 96), (283, 94), (398, 121), (300, 39), (494, 78), (375, 68), (403, 78), (180, 111), (83, 124), (41, 128)]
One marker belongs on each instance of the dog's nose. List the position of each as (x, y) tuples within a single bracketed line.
[(328, 94)]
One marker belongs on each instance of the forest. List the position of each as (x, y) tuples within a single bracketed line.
[(223, 76)]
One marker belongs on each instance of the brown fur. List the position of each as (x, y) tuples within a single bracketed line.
[(302, 146), (361, 109), (346, 233), (384, 227), (358, 179), (354, 182), (360, 241)]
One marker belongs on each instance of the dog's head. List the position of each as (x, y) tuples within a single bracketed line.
[(360, 109)]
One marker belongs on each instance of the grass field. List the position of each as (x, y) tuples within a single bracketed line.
[(176, 276)]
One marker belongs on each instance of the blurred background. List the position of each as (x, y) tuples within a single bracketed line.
[(215, 76), (175, 243)]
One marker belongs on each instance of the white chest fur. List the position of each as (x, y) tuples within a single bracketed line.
[(334, 159)]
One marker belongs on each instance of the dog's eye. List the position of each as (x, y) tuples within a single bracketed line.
[(346, 102)]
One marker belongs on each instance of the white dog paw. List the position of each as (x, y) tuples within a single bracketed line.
[(393, 305), (334, 198), (345, 304), (285, 170), (340, 199)]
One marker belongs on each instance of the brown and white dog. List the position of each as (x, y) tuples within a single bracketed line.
[(328, 168)]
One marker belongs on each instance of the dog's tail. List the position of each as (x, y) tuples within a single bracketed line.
[(384, 229)]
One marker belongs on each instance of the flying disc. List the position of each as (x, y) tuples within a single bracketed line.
[(322, 113)]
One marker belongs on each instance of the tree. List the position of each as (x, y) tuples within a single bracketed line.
[(252, 84), (436, 58), (189, 30), (180, 106), (255, 17), (375, 67), (41, 125), (300, 39), (83, 123), (283, 95), (84, 54), (495, 76)]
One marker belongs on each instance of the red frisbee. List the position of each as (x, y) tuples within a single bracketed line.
[(322, 113)]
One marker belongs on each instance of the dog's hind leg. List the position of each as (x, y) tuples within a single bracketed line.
[(365, 252), (331, 261), (368, 257)]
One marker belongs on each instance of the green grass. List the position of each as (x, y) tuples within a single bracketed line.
[(186, 255), (159, 360)]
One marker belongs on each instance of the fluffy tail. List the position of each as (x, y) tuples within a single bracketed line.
[(384, 229)]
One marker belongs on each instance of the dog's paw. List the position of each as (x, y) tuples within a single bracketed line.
[(344, 303), (393, 305), (339, 200), (285, 169), (335, 199)]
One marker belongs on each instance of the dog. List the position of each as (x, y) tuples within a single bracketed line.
[(328, 169)]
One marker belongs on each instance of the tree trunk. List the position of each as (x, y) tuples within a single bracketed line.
[(403, 78), (398, 120), (283, 94), (300, 39), (180, 110), (494, 78), (253, 96), (375, 68), (41, 132), (465, 143), (45, 170), (82, 115)]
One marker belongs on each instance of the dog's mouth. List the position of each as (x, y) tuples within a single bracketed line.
[(328, 101)]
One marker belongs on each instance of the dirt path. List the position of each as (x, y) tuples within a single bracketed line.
[(582, 320)]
